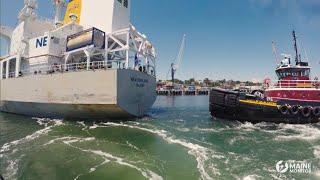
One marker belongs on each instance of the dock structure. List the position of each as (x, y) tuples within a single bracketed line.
[(176, 92), (203, 92), (163, 92), (166, 88), (182, 92), (190, 93)]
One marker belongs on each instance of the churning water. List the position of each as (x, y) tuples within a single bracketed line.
[(177, 140)]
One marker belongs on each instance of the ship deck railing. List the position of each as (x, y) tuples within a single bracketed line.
[(303, 84), (75, 67)]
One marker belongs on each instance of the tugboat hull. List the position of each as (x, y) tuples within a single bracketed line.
[(302, 95), (235, 106)]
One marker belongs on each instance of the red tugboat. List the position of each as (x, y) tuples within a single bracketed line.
[(295, 98), (294, 85)]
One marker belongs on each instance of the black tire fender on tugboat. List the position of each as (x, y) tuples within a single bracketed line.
[(306, 111), (284, 109), (316, 111), (294, 110)]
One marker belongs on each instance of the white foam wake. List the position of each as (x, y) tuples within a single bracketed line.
[(285, 132), (81, 123), (182, 129), (205, 130), (6, 149), (132, 146), (248, 126), (199, 152), (46, 122), (303, 132), (252, 177), (316, 152), (108, 158), (11, 169), (94, 126)]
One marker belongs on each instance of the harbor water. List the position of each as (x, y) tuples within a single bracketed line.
[(178, 139)]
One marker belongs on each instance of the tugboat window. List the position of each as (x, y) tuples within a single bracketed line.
[(306, 73)]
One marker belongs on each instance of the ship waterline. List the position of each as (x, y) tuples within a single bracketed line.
[(113, 93)]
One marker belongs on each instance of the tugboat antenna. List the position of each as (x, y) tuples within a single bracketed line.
[(295, 47), (274, 50)]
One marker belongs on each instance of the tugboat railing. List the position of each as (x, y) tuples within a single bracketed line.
[(304, 84)]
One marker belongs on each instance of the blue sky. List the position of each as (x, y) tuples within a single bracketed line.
[(225, 39)]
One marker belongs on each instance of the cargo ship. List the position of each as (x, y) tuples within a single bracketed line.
[(88, 62), (294, 98)]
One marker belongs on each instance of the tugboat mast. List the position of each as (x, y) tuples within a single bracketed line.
[(297, 59)]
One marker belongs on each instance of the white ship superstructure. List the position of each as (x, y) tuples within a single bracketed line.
[(87, 62)]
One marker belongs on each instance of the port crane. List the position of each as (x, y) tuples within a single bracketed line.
[(176, 65)]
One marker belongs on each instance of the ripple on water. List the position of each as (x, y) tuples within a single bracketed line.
[(199, 152), (12, 169), (132, 146), (46, 122), (305, 132), (7, 149), (107, 158), (182, 129), (206, 130), (252, 177), (316, 152), (283, 132)]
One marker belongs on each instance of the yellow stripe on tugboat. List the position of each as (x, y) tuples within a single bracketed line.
[(257, 102)]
